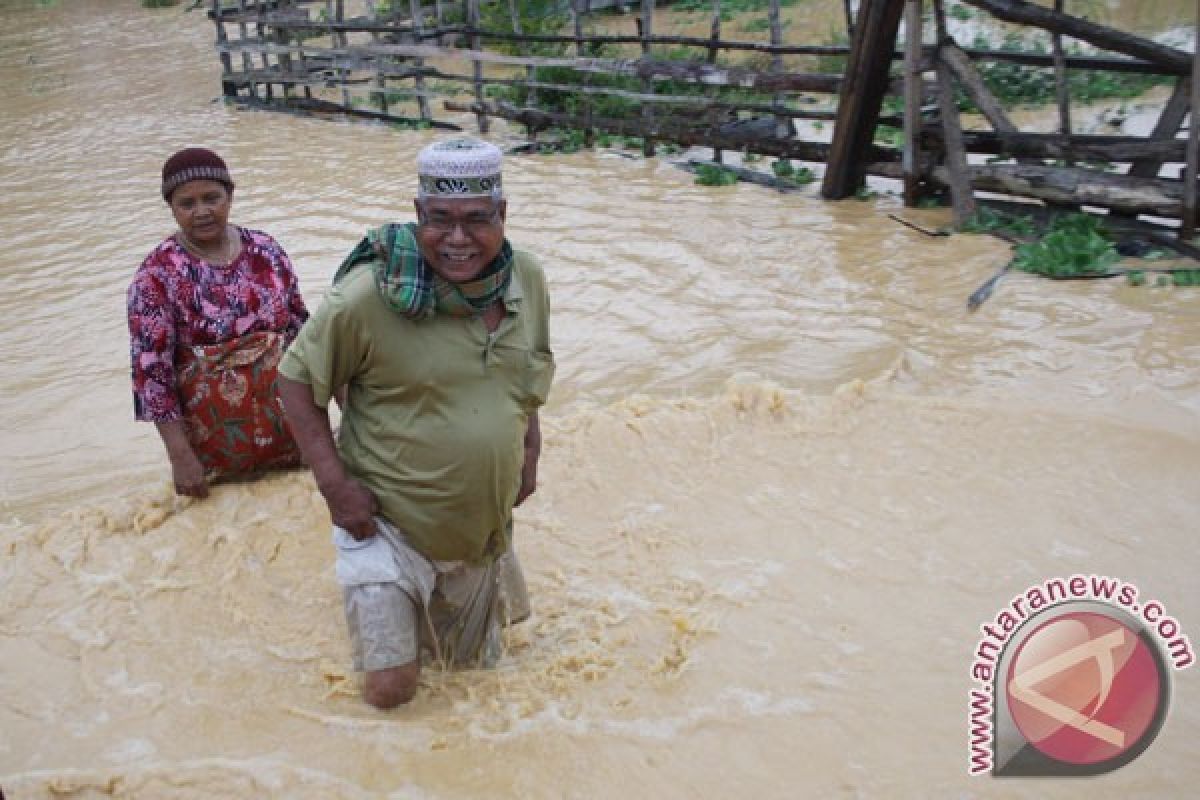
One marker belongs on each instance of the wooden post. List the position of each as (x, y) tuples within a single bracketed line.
[(783, 124), (244, 33), (260, 32), (578, 8), (1188, 229), (380, 60), (962, 197), (646, 23), (481, 119), (1061, 85), (913, 89), (280, 36), (849, 20), (228, 88), (417, 13), (514, 15), (861, 96), (714, 38)]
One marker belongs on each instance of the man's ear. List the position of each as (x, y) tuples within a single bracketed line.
[(503, 208), (417, 206)]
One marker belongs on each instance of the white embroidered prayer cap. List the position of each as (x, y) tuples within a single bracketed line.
[(462, 166)]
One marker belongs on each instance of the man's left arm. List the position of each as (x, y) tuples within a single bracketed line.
[(533, 450)]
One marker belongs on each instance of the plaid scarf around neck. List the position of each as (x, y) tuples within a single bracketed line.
[(409, 285)]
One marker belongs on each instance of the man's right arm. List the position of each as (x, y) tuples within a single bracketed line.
[(351, 505)]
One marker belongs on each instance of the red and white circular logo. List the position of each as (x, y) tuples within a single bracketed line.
[(1084, 688)]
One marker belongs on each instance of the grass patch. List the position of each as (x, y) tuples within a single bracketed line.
[(714, 175)]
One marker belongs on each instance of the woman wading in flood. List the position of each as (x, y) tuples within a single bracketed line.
[(211, 310)]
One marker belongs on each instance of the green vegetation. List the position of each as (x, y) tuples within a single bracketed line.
[(1015, 84), (730, 6), (959, 12), (760, 24), (715, 175), (987, 221), (1075, 244), (788, 173)]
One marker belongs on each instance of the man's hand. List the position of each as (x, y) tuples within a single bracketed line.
[(528, 478), (352, 507), (533, 451)]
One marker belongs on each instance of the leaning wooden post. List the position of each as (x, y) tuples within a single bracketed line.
[(1188, 229), (647, 25), (481, 118), (913, 90), (961, 195), (1061, 85), (418, 27), (860, 97)]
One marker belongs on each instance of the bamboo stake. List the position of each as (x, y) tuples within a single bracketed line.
[(646, 24), (913, 89), (1188, 229), (417, 13)]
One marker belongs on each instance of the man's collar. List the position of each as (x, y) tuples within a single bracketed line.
[(514, 293)]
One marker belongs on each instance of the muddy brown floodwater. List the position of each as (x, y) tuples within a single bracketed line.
[(786, 478)]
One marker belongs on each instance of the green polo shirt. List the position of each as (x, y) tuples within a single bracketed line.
[(437, 410)]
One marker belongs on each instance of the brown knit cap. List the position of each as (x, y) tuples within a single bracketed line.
[(193, 164)]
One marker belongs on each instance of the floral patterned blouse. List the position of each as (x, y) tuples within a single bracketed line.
[(178, 300)]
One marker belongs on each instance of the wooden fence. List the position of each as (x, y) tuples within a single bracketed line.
[(410, 62)]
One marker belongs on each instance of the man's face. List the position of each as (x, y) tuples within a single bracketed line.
[(460, 236)]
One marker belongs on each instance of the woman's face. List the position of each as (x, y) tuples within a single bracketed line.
[(201, 209)]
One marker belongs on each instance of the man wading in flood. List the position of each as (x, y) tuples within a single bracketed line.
[(439, 331)]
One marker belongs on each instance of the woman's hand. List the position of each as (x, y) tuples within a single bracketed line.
[(188, 474), (186, 469)]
